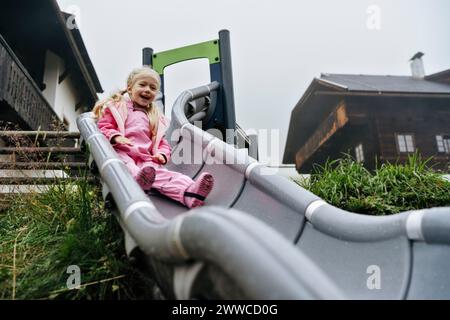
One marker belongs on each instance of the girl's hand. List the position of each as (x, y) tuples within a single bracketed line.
[(121, 140), (160, 158)]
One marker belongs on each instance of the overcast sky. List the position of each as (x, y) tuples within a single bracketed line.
[(277, 47)]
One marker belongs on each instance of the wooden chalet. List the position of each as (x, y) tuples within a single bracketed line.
[(372, 117)]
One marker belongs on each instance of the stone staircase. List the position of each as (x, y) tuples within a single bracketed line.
[(30, 161)]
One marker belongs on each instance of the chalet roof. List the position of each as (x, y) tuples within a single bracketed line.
[(442, 76), (85, 55), (31, 27), (375, 83), (79, 51), (323, 93)]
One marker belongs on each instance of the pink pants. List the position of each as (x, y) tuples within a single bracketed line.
[(170, 183)]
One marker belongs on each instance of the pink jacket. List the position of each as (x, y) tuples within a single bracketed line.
[(119, 112)]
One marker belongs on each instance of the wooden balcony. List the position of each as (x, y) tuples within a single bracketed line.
[(333, 123), (20, 92)]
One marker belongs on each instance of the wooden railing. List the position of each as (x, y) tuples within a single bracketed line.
[(20, 91)]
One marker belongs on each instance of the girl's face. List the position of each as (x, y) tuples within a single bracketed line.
[(144, 90)]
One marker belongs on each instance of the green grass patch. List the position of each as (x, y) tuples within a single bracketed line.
[(390, 189), (42, 234)]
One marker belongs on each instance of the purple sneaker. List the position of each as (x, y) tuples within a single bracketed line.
[(195, 194), (146, 177)]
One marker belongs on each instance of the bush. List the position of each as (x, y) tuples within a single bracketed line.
[(391, 188)]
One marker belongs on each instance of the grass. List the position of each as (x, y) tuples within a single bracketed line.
[(391, 188), (42, 234)]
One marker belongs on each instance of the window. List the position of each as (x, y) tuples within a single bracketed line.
[(359, 153), (443, 143), (405, 143)]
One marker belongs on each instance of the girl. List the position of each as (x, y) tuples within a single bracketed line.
[(133, 124)]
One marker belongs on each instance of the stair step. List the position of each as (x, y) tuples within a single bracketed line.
[(10, 150), (64, 154), (43, 134), (42, 165)]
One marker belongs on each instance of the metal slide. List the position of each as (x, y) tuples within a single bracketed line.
[(261, 236)]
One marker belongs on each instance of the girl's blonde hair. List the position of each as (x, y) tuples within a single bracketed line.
[(153, 111)]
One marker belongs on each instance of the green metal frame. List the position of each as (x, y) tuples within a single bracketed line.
[(208, 49)]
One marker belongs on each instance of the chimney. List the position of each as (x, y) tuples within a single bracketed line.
[(417, 69)]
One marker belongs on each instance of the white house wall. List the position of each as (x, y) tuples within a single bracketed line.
[(61, 96), (67, 99), (51, 73)]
